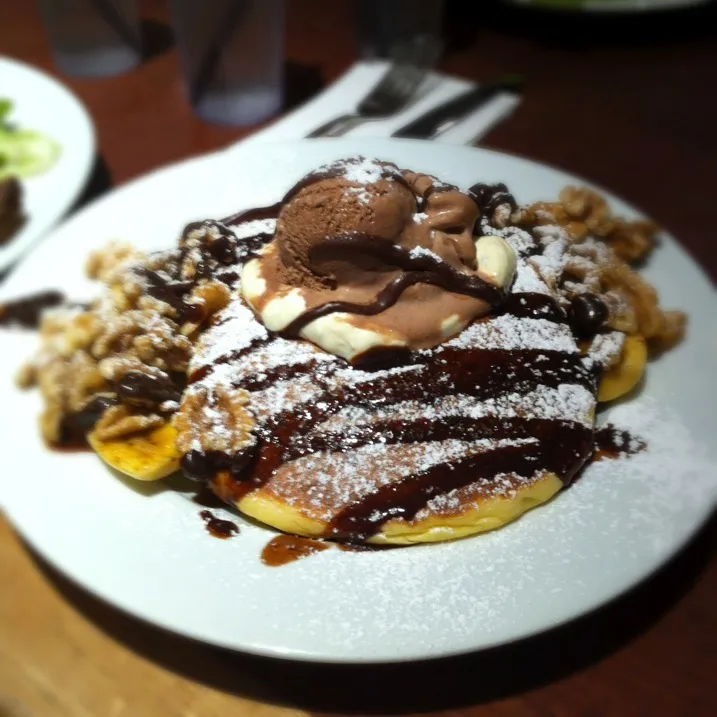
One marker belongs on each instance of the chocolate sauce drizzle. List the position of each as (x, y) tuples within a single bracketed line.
[(217, 527), (27, 312), (420, 269), (562, 446), (556, 452), (612, 442), (284, 549), (489, 197), (75, 426)]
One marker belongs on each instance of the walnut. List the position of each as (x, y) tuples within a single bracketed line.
[(108, 263), (216, 420), (671, 331), (82, 381), (26, 377), (209, 297), (631, 241), (119, 421), (582, 212), (117, 336), (596, 248)]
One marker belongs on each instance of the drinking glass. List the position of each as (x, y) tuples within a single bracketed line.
[(383, 27), (232, 55), (93, 37)]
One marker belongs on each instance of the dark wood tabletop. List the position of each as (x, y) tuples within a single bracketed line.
[(629, 103)]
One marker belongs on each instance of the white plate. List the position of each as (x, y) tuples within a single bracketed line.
[(144, 548), (43, 104)]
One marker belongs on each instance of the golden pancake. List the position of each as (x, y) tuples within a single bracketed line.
[(460, 439)]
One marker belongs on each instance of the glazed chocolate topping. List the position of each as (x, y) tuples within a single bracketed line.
[(420, 269), (147, 388), (588, 314), (521, 443), (511, 396), (489, 197)]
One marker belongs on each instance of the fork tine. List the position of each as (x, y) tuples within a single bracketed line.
[(393, 91)]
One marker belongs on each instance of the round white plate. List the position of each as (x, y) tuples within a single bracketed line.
[(145, 549), (43, 104)]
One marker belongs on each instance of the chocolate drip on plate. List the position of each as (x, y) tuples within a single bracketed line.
[(612, 442), (218, 528), (284, 549), (27, 312)]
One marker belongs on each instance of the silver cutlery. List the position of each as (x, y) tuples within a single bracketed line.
[(393, 91), (450, 113)]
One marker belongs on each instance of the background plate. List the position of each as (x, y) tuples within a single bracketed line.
[(144, 547), (43, 104)]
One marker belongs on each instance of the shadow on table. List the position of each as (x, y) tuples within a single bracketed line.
[(577, 30), (98, 183), (301, 83), (157, 38), (409, 687)]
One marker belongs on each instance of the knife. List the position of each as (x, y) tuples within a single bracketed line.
[(443, 117)]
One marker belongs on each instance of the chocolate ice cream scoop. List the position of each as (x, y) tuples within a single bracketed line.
[(337, 207), (366, 256)]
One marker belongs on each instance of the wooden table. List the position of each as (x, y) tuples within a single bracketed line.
[(630, 105)]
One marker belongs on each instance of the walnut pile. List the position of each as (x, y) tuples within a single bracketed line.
[(596, 250), (120, 363)]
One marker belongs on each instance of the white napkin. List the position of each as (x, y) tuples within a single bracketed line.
[(343, 95)]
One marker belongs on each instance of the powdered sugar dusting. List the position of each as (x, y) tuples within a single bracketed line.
[(527, 280), (567, 402), (235, 328), (519, 240), (324, 483), (557, 557), (511, 333), (605, 349), (419, 251), (243, 230), (361, 171)]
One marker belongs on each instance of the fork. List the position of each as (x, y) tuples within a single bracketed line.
[(393, 91)]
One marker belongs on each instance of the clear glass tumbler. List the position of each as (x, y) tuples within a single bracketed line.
[(93, 37), (232, 54)]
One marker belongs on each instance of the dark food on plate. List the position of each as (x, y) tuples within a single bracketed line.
[(11, 214), (380, 357)]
